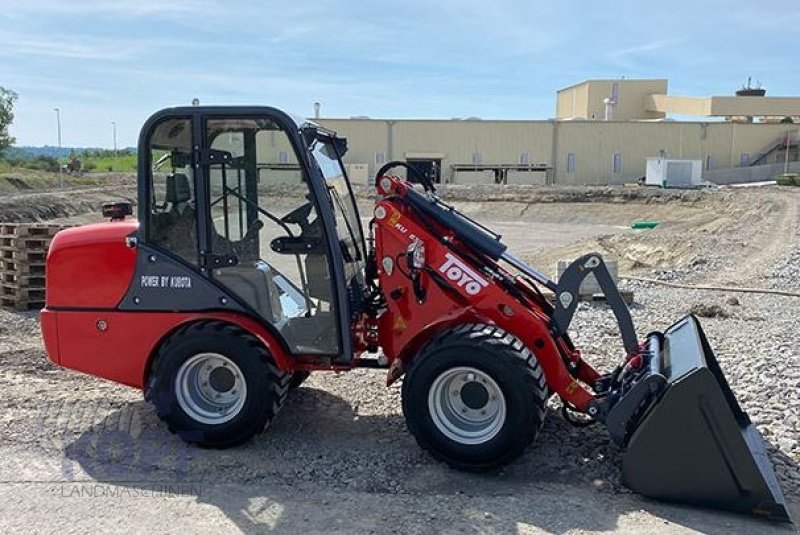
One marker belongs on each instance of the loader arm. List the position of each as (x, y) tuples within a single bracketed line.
[(567, 299), (667, 404)]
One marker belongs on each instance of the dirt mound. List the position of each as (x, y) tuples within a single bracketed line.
[(58, 206), (726, 237), (28, 196), (708, 310)]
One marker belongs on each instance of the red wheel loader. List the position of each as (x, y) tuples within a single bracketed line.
[(248, 267)]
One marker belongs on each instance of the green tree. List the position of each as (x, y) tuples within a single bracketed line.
[(7, 98)]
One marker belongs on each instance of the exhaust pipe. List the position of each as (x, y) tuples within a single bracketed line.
[(685, 436)]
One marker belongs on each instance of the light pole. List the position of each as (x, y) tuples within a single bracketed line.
[(114, 134), (788, 145), (58, 122)]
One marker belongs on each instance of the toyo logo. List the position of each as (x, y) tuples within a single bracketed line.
[(461, 274)]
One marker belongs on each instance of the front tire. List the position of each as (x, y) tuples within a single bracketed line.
[(215, 385), (475, 397)]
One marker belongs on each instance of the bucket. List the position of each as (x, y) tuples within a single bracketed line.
[(687, 440)]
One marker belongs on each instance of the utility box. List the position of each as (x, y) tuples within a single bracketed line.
[(673, 173), (358, 173), (590, 289), (589, 286), (469, 177), (525, 177)]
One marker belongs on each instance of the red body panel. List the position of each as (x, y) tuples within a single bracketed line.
[(469, 294), (122, 350), (96, 254), (120, 345)]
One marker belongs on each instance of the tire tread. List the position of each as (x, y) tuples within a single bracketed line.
[(278, 381), (503, 344)]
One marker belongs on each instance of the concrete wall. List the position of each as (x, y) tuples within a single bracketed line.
[(756, 173), (374, 142), (593, 144)]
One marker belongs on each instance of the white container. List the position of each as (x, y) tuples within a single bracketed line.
[(358, 173), (673, 173)]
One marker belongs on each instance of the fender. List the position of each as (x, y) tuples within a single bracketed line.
[(119, 346)]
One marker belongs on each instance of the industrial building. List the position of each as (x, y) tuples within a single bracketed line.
[(603, 133)]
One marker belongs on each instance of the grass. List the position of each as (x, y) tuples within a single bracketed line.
[(20, 180), (124, 163)]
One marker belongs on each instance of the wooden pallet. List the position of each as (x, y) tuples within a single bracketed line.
[(22, 280), (23, 252), (19, 267), (20, 304), (28, 243), (22, 294), (21, 230), (22, 256)]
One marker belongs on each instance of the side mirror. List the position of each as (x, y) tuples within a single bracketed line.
[(117, 210)]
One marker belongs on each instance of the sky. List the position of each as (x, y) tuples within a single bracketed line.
[(121, 60)]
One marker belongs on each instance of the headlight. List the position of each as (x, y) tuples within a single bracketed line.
[(415, 255)]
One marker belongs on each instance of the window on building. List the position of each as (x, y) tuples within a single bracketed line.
[(711, 163), (744, 159), (523, 158), (477, 158), (380, 158), (617, 163), (283, 157), (571, 162)]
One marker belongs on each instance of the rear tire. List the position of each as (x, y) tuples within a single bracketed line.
[(475, 397), (298, 378), (215, 385)]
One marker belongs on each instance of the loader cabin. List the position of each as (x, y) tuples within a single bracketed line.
[(257, 203)]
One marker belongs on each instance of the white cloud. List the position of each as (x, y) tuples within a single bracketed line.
[(128, 8), (643, 48), (61, 48)]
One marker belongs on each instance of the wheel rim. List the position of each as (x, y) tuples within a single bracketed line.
[(210, 388), (467, 405)]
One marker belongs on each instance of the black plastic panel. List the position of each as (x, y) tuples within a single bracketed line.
[(161, 282)]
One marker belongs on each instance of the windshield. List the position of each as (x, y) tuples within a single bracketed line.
[(348, 225)]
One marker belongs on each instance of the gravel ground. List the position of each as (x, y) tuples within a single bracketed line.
[(339, 458)]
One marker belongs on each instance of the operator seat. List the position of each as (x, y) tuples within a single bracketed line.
[(246, 280), (179, 193), (176, 229)]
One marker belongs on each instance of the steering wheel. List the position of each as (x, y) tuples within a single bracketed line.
[(421, 177)]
